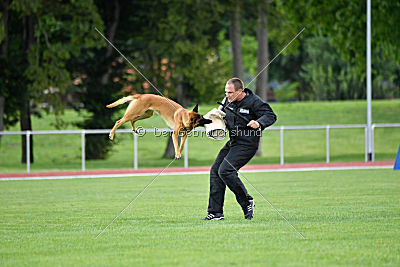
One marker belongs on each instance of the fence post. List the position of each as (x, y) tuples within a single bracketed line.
[(281, 141), (28, 151), (186, 156), (135, 155), (373, 142), (366, 143), (327, 144), (83, 150)]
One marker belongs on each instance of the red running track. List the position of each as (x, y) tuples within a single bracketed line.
[(144, 171)]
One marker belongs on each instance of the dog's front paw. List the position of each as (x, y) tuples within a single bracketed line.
[(178, 155), (111, 137)]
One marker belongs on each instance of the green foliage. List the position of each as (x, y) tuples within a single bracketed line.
[(171, 44), (11, 84), (225, 53), (187, 35), (95, 99), (58, 39), (332, 77), (345, 22), (386, 75), (326, 62), (249, 55), (287, 92), (2, 29), (101, 71), (60, 31)]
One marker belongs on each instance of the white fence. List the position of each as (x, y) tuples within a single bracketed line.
[(83, 133)]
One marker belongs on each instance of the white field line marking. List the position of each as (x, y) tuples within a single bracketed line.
[(91, 176)]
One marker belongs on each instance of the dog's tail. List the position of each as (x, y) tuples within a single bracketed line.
[(122, 101)]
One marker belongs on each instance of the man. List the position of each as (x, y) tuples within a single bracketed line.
[(244, 132)]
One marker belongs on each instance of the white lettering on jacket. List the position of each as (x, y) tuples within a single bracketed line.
[(245, 111)]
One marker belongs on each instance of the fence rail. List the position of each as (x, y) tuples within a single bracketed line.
[(281, 129)]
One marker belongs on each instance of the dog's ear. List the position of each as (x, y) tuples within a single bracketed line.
[(196, 108)]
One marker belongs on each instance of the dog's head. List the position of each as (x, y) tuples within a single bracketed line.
[(196, 119)]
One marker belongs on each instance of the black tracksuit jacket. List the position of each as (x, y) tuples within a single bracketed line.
[(241, 147), (252, 108)]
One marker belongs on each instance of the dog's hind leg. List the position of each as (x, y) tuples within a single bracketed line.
[(132, 113), (147, 114), (116, 126)]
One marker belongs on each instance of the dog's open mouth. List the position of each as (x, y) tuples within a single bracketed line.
[(203, 122)]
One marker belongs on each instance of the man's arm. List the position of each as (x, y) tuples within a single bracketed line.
[(265, 114)]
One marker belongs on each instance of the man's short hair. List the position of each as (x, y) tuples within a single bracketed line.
[(237, 83)]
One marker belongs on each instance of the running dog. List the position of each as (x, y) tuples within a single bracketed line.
[(141, 107)]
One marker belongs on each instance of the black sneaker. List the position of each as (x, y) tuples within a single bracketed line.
[(250, 210), (214, 217)]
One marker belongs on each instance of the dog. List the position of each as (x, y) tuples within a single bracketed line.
[(142, 106)]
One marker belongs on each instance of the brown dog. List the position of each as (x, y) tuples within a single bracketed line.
[(181, 120)]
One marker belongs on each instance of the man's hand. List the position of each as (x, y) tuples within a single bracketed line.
[(253, 124)]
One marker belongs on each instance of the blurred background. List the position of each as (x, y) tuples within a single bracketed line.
[(57, 72)]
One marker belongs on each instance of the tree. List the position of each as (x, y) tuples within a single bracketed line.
[(173, 44), (235, 36), (52, 33), (262, 52), (345, 23), (101, 73), (4, 5), (187, 37), (333, 78), (262, 57)]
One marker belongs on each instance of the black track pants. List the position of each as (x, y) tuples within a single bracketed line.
[(224, 173)]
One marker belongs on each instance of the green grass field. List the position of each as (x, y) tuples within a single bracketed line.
[(348, 218), (62, 152)]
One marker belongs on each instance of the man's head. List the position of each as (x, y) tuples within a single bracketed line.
[(234, 89)]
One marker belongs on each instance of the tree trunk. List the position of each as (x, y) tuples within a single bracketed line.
[(3, 53), (184, 100), (262, 57), (236, 42), (26, 125), (170, 150), (25, 111), (105, 79), (262, 52), (181, 94), (97, 145), (1, 115), (4, 10)]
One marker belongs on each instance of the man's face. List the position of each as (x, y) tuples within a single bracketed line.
[(230, 92)]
